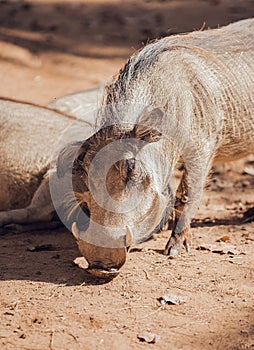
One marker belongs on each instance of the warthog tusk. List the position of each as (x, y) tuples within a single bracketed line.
[(74, 230), (129, 237)]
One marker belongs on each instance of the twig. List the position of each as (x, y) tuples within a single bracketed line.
[(51, 340), (147, 275), (154, 312), (133, 307), (73, 336)]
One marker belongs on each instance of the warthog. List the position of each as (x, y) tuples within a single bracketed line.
[(185, 98), (80, 104), (29, 137)]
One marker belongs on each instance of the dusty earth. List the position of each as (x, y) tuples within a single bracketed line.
[(50, 48)]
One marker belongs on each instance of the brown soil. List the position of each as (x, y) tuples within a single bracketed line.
[(50, 48)]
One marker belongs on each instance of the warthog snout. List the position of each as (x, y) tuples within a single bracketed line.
[(103, 262)]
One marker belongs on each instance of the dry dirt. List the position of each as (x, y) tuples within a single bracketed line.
[(50, 48)]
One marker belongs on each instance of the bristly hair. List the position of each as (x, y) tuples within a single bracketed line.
[(108, 134), (137, 64), (74, 203)]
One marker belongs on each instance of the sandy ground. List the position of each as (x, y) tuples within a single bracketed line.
[(50, 48)]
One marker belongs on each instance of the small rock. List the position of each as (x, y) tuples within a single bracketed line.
[(148, 337), (172, 299), (208, 247), (249, 171), (80, 262)]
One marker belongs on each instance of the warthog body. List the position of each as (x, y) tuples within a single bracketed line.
[(80, 104), (186, 98)]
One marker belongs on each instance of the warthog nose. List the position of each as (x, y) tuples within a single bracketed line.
[(102, 273), (103, 262)]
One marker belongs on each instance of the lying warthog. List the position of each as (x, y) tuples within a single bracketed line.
[(29, 137), (79, 104), (185, 98)]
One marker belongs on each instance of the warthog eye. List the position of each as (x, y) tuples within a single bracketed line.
[(135, 172), (130, 167)]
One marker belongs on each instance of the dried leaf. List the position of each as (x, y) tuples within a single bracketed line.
[(172, 299), (9, 313), (148, 337), (235, 262), (223, 239), (221, 248)]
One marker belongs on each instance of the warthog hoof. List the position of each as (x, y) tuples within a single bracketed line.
[(174, 244)]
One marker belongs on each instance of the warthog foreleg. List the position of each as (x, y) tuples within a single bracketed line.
[(174, 243), (30, 214), (37, 226), (40, 209)]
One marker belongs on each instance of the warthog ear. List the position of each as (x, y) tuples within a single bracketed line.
[(67, 160), (149, 125)]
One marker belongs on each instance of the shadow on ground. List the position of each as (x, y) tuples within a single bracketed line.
[(53, 263), (74, 26), (20, 260)]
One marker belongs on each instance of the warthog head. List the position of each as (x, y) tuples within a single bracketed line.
[(116, 186)]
